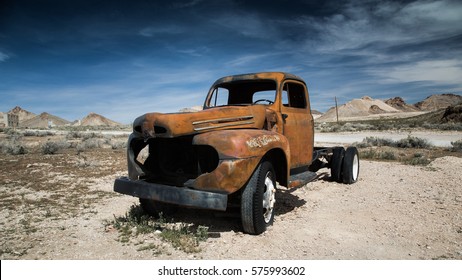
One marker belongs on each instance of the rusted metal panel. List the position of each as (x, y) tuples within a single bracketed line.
[(178, 124), (228, 177), (240, 151), (243, 143)]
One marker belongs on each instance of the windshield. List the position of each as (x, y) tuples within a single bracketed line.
[(243, 93)]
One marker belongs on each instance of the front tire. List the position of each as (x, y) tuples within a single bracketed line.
[(350, 168), (258, 200)]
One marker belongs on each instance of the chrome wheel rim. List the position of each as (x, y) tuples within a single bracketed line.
[(355, 167), (269, 198)]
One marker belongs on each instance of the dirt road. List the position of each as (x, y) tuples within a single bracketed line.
[(395, 211)]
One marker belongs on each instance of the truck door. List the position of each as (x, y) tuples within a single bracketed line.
[(298, 122)]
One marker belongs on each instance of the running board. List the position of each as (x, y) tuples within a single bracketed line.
[(301, 179)]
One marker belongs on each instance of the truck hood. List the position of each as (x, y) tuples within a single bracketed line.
[(160, 125)]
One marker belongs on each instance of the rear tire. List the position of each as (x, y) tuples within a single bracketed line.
[(350, 166), (258, 200), (336, 164), (155, 208)]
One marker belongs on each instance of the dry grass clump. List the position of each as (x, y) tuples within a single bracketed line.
[(136, 222)]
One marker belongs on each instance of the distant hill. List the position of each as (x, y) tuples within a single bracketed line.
[(23, 115), (450, 114), (363, 107), (439, 101), (367, 107), (44, 120), (94, 119), (399, 104)]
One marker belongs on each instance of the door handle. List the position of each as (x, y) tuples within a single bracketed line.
[(285, 116)]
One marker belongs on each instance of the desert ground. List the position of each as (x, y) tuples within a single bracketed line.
[(61, 205)]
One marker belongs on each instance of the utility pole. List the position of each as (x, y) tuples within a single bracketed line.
[(336, 107)]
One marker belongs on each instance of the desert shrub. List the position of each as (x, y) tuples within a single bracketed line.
[(38, 133), (52, 147), (118, 144), (85, 135), (373, 154), (91, 143), (11, 132), (12, 148), (367, 154), (409, 142), (457, 146), (418, 159), (375, 142), (413, 142), (388, 155), (13, 145)]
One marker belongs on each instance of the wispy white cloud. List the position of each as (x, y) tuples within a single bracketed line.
[(387, 24), (3, 57), (434, 71), (194, 51), (161, 29), (246, 60)]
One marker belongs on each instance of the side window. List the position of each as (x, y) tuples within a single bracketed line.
[(293, 95), (219, 97)]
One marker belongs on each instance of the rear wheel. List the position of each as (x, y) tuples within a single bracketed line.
[(350, 168), (258, 200), (336, 163), (155, 208)]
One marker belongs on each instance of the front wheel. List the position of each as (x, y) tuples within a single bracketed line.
[(258, 200), (350, 168)]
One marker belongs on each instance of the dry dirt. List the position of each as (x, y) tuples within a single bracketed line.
[(58, 207)]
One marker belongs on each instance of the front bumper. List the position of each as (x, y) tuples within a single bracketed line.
[(169, 194)]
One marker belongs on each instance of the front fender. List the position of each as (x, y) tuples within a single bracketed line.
[(239, 152)]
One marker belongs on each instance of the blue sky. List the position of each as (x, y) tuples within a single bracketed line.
[(124, 58)]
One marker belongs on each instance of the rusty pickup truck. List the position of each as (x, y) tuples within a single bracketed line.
[(255, 130)]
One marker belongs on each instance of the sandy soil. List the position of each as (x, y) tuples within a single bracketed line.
[(394, 211)]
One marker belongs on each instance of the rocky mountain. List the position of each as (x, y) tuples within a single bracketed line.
[(23, 115), (44, 120), (439, 101), (452, 114), (94, 119), (399, 104), (358, 108)]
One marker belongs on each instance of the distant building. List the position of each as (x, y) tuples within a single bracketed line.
[(13, 120), (3, 120)]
